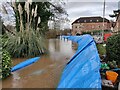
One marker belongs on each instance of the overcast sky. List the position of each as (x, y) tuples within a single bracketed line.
[(86, 8)]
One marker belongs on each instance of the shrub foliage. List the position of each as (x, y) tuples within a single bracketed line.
[(113, 48), (6, 64), (25, 44)]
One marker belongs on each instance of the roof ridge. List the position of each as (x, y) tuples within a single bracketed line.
[(81, 19), (91, 17)]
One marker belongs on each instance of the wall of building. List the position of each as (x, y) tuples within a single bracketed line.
[(117, 25), (84, 27)]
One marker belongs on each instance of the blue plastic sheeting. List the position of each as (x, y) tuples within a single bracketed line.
[(24, 63), (82, 71)]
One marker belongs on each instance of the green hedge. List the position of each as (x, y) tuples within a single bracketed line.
[(6, 65), (96, 32), (101, 49), (113, 48)]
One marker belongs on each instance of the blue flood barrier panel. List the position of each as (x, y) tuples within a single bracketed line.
[(25, 63), (82, 71)]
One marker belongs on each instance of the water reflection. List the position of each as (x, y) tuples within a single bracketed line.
[(60, 49), (37, 72), (15, 80), (46, 72)]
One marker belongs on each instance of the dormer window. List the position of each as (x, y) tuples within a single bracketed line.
[(98, 26)]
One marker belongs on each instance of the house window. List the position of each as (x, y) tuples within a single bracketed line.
[(76, 26), (90, 20), (98, 26)]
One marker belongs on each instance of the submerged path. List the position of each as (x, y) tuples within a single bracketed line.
[(46, 72)]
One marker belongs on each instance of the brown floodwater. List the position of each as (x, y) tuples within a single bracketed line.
[(46, 72)]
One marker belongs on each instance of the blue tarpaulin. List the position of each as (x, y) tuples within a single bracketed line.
[(25, 63), (82, 71)]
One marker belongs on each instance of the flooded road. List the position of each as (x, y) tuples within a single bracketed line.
[(46, 72)]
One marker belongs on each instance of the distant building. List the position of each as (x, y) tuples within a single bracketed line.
[(86, 24), (116, 26)]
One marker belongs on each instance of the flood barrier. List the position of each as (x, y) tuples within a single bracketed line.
[(82, 70), (25, 63)]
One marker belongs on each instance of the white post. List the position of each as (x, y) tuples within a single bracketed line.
[(103, 21)]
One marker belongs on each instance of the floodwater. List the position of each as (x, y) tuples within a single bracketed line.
[(46, 72)]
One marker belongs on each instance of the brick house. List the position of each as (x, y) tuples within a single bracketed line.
[(116, 26), (86, 24)]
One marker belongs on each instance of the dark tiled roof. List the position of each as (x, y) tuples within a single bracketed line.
[(116, 11), (90, 20)]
